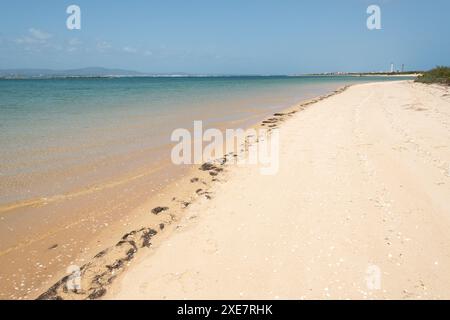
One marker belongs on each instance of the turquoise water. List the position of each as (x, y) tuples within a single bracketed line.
[(57, 134)]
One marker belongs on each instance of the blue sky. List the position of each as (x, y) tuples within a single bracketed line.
[(225, 36)]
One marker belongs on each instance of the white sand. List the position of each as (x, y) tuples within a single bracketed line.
[(364, 181)]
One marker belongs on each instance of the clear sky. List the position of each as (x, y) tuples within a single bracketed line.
[(225, 36)]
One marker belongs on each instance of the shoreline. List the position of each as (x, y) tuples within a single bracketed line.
[(362, 192), (111, 261), (69, 226)]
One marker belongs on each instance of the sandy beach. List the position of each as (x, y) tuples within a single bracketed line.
[(363, 185), (357, 210)]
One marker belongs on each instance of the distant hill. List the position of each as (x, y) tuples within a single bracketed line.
[(92, 72), (83, 72)]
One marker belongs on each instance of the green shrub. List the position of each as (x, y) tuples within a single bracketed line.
[(437, 75)]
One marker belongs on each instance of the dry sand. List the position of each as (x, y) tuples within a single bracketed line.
[(363, 185)]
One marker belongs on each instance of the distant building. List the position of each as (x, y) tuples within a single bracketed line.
[(392, 67)]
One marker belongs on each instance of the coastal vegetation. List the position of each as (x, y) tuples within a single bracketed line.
[(439, 74)]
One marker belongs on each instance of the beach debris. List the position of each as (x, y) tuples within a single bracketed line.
[(101, 271), (202, 192), (158, 210), (212, 168), (97, 294), (100, 254), (185, 204), (53, 246), (207, 166), (194, 180), (147, 236)]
